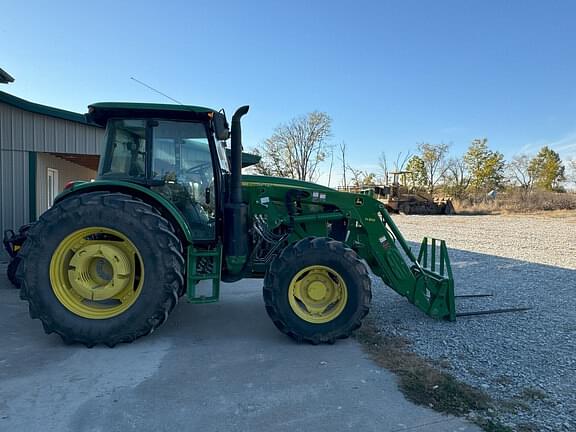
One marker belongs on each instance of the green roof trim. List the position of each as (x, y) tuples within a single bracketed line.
[(43, 109), (149, 107)]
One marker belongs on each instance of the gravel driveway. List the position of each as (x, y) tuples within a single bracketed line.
[(526, 360)]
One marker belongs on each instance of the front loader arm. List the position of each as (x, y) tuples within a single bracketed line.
[(426, 281)]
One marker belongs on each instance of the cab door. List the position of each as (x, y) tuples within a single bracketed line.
[(182, 162)]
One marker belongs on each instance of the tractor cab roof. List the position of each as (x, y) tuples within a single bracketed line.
[(99, 113)]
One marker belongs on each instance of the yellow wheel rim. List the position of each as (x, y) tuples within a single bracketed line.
[(96, 273), (317, 294)]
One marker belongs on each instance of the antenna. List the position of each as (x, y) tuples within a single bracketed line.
[(157, 91)]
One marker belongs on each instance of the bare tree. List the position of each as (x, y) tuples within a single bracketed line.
[(434, 158), (457, 177), (342, 149), (331, 164), (383, 163), (401, 160), (399, 164), (296, 149), (520, 172), (572, 170), (357, 176)]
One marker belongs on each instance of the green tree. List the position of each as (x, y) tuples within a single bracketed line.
[(485, 167), (369, 179), (547, 169), (417, 177)]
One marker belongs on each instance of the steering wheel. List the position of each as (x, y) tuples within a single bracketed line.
[(198, 169)]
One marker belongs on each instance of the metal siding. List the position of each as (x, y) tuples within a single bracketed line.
[(27, 131), (38, 130), (49, 135), (23, 131), (13, 189), (97, 139), (5, 128), (17, 129), (60, 135), (69, 141)]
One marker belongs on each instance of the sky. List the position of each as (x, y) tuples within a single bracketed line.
[(391, 74)]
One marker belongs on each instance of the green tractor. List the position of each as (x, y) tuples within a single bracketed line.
[(171, 212)]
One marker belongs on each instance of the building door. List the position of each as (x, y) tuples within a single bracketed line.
[(52, 184)]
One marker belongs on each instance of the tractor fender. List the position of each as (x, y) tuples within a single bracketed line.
[(165, 207)]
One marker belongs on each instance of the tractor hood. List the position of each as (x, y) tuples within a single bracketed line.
[(256, 180)]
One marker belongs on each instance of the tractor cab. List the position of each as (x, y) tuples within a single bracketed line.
[(173, 150)]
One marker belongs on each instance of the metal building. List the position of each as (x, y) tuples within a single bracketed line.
[(41, 148)]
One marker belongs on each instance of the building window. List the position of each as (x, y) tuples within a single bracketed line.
[(52, 185)]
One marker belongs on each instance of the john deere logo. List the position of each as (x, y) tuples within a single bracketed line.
[(359, 201)]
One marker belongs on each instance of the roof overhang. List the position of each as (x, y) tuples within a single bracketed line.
[(5, 77)]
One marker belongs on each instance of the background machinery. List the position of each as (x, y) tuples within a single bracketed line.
[(170, 213), (400, 198)]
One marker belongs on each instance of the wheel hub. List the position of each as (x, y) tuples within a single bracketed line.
[(317, 290), (317, 294), (99, 271)]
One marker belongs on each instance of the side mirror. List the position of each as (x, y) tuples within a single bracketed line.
[(220, 125)]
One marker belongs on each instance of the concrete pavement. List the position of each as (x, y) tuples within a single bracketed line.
[(218, 367)]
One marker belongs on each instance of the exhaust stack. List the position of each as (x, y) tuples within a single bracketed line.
[(236, 162), (235, 211)]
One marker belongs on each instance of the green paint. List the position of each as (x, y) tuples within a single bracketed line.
[(161, 108), (255, 180), (32, 186), (212, 257), (124, 186), (99, 113)]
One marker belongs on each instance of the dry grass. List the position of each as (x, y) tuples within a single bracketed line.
[(425, 384), (518, 202)]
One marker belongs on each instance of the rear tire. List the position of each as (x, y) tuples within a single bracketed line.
[(318, 266), (11, 271), (146, 238)]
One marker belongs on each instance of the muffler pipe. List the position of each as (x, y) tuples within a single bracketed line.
[(236, 158), (235, 211)]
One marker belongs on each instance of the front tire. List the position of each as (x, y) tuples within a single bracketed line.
[(101, 268), (317, 290)]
